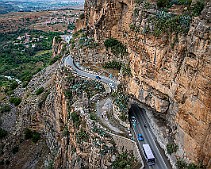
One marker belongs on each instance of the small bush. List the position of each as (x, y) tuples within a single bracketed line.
[(58, 39), (192, 166), (39, 91), (82, 16), (35, 136), (5, 108), (113, 65), (197, 8), (15, 100), (3, 133), (116, 46), (124, 161), (93, 116), (181, 164), (54, 59), (138, 1), (76, 119), (25, 83), (13, 85), (172, 148), (65, 131), (110, 42), (82, 135), (162, 3)]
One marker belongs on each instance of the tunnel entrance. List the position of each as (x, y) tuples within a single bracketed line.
[(143, 135)]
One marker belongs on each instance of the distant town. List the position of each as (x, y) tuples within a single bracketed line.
[(7, 6)]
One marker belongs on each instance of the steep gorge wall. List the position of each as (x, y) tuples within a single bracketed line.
[(171, 74)]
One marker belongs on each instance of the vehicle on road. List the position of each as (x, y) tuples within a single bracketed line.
[(145, 125), (98, 77), (150, 158), (133, 119), (111, 85), (140, 137)]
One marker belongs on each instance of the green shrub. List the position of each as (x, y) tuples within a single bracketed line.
[(71, 26), (82, 16), (15, 100), (13, 85), (25, 83), (167, 23), (39, 91), (136, 12), (197, 8), (172, 148), (124, 161), (181, 164), (82, 135), (126, 70), (3, 133), (138, 1), (65, 131), (54, 59), (5, 108), (116, 46), (93, 116), (58, 39), (76, 119), (134, 28), (35, 136), (162, 3), (113, 65), (192, 166), (110, 42)]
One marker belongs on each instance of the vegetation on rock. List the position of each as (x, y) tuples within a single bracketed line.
[(33, 135), (5, 108), (116, 46), (124, 160), (15, 100), (76, 119), (172, 148), (40, 90), (3, 133)]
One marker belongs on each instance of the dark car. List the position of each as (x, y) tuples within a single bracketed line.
[(98, 77), (140, 137)]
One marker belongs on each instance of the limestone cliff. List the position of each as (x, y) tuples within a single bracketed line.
[(170, 71)]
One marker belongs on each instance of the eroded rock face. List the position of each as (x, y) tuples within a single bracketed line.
[(171, 74)]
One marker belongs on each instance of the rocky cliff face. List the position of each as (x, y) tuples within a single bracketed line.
[(170, 72)]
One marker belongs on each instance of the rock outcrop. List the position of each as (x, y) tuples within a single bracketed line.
[(170, 73)]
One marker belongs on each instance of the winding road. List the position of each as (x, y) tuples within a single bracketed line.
[(69, 62), (161, 161)]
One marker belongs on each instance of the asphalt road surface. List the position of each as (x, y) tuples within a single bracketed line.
[(69, 62), (161, 161)]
